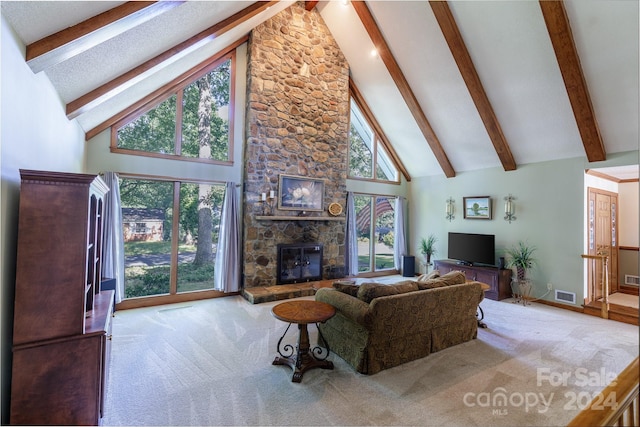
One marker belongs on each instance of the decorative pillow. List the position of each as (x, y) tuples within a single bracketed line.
[(369, 291), (431, 283), (432, 275), (453, 278), (349, 288)]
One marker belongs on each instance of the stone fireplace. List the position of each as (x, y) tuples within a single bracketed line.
[(297, 123)]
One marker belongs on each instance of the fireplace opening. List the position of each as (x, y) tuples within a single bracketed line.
[(299, 262)]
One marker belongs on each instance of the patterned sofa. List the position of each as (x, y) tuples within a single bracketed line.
[(379, 326)]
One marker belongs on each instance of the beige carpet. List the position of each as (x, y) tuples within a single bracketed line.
[(209, 363), (624, 299)]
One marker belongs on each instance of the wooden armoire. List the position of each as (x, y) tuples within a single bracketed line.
[(62, 320)]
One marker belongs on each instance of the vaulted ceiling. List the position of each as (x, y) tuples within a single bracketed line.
[(456, 86)]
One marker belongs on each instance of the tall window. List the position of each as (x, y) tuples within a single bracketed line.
[(366, 150), (375, 217), (170, 235), (192, 121)]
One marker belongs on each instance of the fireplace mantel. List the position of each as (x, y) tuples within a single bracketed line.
[(298, 218)]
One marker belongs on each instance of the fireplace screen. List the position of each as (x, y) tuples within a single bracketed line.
[(299, 262)]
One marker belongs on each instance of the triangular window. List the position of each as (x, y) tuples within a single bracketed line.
[(367, 150), (191, 120)]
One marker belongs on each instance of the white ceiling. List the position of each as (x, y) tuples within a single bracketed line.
[(507, 40)]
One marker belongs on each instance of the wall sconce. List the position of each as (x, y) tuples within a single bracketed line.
[(509, 209), (450, 209)]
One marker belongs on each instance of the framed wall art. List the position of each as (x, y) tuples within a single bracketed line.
[(300, 193), (477, 207)]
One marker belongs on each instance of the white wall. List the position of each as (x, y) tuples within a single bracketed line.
[(629, 217), (34, 134), (549, 210)]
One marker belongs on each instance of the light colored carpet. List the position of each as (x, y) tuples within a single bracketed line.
[(209, 363), (624, 299)]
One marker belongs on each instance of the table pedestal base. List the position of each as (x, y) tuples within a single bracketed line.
[(298, 371), (304, 359), (480, 317), (522, 291)]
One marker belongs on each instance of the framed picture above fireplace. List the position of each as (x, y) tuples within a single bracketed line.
[(300, 193)]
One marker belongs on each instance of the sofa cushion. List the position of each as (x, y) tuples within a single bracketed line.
[(434, 274), (369, 291), (349, 288), (431, 283), (453, 278)]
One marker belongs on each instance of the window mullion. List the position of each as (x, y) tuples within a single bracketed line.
[(372, 233), (179, 107), (374, 143), (175, 239)]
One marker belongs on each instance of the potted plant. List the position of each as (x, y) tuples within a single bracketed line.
[(427, 247), (521, 257)]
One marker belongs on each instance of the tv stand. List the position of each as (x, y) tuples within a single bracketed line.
[(498, 280), (467, 263)]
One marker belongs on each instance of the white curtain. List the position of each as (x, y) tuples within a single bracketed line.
[(113, 238), (399, 242), (351, 253), (227, 266)]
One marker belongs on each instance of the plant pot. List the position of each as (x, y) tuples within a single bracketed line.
[(520, 272)]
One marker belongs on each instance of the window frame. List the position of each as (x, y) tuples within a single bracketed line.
[(373, 271), (174, 294), (379, 140), (176, 87)]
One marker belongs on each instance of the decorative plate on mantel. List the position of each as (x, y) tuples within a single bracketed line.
[(335, 209)]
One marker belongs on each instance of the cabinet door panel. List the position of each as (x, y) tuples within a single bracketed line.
[(64, 376)]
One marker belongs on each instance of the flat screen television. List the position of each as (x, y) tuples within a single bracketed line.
[(471, 248)]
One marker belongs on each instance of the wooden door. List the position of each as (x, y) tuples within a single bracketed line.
[(603, 236)]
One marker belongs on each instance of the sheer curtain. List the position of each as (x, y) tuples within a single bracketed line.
[(351, 253), (400, 245), (113, 239), (227, 266)]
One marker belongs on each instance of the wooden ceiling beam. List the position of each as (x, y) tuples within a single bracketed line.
[(559, 28), (403, 86), (359, 99), (309, 5), (74, 40), (128, 79), (460, 53)]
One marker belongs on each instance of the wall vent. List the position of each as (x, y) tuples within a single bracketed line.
[(565, 296), (631, 280)]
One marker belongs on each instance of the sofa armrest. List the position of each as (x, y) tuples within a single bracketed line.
[(350, 307), (481, 290)]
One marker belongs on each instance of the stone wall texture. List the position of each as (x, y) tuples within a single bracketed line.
[(297, 124)]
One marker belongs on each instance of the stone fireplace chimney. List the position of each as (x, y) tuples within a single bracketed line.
[(297, 124)]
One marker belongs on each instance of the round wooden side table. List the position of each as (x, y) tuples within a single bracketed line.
[(302, 312)]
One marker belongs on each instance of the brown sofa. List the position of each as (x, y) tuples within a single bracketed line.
[(379, 326)]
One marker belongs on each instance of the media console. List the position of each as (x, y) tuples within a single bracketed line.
[(499, 280)]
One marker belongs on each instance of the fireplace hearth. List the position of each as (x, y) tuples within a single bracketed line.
[(299, 262)]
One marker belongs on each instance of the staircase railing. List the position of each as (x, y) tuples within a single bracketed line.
[(618, 404), (605, 284)]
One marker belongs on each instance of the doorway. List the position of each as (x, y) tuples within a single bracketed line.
[(603, 240)]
